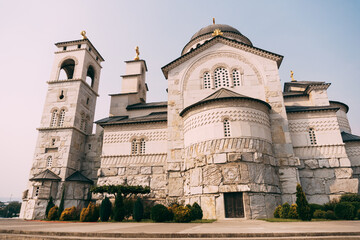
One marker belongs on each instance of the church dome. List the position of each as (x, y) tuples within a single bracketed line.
[(205, 34)]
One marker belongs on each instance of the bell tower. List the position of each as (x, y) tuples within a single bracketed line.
[(66, 125)]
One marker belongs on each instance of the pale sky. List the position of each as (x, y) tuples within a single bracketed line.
[(319, 41)]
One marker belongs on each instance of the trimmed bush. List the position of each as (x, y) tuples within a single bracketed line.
[(350, 197), (52, 215), (118, 214), (330, 215), (277, 211), (105, 209), (303, 208), (356, 207), (196, 211), (319, 214), (128, 207), (90, 214), (61, 206), (330, 205), (293, 212), (314, 207), (138, 212), (358, 214), (68, 214), (147, 210), (182, 214), (285, 209), (49, 206), (344, 210), (160, 213)]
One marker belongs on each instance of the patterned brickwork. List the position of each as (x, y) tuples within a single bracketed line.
[(319, 125), (126, 137)]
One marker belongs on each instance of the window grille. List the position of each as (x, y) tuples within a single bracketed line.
[(134, 147), (54, 117), (37, 190), (226, 128), (221, 78), (61, 118), (312, 136), (207, 80), (49, 161), (236, 77), (142, 146)]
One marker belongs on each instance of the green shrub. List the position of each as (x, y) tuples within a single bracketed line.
[(196, 211), (182, 214), (350, 197), (319, 214), (90, 214), (277, 212), (128, 207), (356, 206), (119, 213), (330, 205), (68, 214), (344, 210), (61, 206), (160, 213), (303, 208), (105, 209), (293, 212), (285, 209), (330, 215), (358, 214), (138, 211), (314, 207), (147, 209), (52, 215), (49, 206)]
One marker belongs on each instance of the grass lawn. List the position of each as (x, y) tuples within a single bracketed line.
[(293, 220)]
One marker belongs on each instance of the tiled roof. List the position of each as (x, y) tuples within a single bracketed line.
[(222, 93), (146, 105), (118, 120), (46, 175), (290, 109), (78, 177), (348, 137)]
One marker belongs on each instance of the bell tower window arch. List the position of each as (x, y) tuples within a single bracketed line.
[(67, 69), (90, 76)]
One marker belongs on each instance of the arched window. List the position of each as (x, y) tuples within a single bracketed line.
[(312, 136), (67, 69), (207, 80), (221, 78), (226, 127), (134, 146), (236, 78), (54, 118), (90, 76), (61, 118), (49, 161), (142, 146)]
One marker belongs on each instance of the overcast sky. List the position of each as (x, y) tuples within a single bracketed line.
[(319, 41)]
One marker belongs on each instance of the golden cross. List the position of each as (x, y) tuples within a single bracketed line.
[(217, 32), (137, 53), (213, 20), (83, 34)]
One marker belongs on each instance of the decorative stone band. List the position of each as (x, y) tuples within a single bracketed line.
[(61, 128), (235, 115), (229, 145), (344, 123), (125, 160), (73, 80), (126, 137), (353, 151), (320, 151), (303, 126)]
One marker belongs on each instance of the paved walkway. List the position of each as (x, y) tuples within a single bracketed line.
[(218, 229)]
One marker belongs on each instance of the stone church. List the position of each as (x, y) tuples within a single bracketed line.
[(228, 137)]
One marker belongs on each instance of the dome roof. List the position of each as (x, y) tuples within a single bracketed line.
[(212, 27)]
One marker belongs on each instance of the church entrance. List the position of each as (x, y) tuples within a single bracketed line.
[(234, 206)]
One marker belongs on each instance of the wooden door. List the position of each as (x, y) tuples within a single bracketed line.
[(234, 207)]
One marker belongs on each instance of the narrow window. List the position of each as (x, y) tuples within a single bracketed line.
[(82, 121), (53, 142), (89, 146), (312, 136), (89, 49), (97, 58), (87, 101), (61, 95), (54, 117), (207, 80), (64, 48), (134, 147), (90, 76), (49, 161), (79, 45), (221, 78), (37, 190), (142, 146), (226, 128), (236, 77), (61, 118)]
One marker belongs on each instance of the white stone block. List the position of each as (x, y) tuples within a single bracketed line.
[(334, 162), (343, 172), (195, 190), (211, 189), (345, 162), (324, 163), (220, 158)]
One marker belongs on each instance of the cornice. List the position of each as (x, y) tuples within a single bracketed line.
[(73, 80), (61, 128)]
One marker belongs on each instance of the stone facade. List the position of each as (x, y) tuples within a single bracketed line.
[(228, 137)]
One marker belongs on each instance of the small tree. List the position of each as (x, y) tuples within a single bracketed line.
[(61, 206), (285, 209), (196, 211), (293, 212), (105, 209), (138, 212), (277, 211), (49, 206), (303, 208), (118, 214), (53, 213)]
